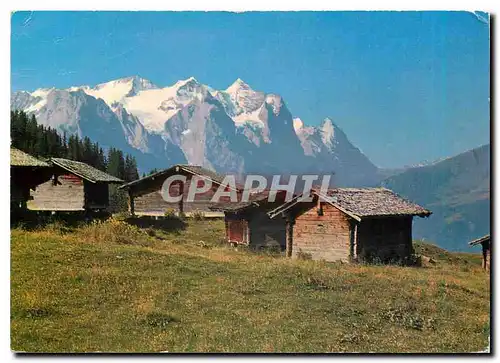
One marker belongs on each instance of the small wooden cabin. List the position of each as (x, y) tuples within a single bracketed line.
[(485, 243), (249, 224), (145, 194), (26, 173), (349, 224), (73, 186)]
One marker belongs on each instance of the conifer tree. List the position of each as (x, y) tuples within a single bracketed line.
[(46, 142)]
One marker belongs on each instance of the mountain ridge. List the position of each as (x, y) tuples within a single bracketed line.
[(151, 119), (241, 131), (457, 190)]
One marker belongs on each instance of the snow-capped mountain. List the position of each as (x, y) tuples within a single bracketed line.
[(238, 130), (329, 145)]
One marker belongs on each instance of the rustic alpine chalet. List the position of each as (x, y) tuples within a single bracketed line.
[(73, 186), (485, 243), (26, 172), (248, 222), (349, 224), (145, 194)]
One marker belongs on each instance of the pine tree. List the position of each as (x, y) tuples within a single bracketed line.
[(46, 142), (87, 152), (102, 163), (131, 173)]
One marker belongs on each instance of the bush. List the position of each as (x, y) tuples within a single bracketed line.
[(198, 215), (304, 255), (270, 248), (160, 320), (118, 200), (408, 318), (122, 216), (115, 231), (170, 213)]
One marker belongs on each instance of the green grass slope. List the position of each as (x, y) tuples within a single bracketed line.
[(457, 190), (113, 287)]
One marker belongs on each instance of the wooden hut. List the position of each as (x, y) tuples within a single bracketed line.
[(26, 172), (485, 243), (73, 186), (249, 224), (145, 194), (350, 224)]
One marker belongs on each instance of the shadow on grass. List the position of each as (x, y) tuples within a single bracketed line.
[(32, 220), (164, 224)]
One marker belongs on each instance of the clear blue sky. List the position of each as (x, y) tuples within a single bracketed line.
[(405, 87)]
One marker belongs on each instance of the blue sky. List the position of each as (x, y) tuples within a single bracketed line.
[(404, 86)]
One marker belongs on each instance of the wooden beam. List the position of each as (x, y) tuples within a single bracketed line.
[(289, 236), (355, 242), (247, 226), (131, 204)]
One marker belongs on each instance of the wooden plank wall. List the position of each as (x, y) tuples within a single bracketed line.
[(322, 237), (237, 230), (267, 232), (152, 202), (385, 238), (486, 254), (67, 195), (96, 195)]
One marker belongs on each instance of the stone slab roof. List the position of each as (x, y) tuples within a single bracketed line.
[(362, 203), (480, 240), (20, 158), (85, 171)]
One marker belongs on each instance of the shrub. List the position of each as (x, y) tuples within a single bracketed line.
[(315, 283), (170, 213), (115, 231), (198, 215), (408, 318), (413, 260), (160, 320), (304, 255), (122, 216)]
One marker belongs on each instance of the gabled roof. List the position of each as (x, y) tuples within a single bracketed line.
[(191, 169), (362, 202), (20, 158), (85, 171), (475, 242)]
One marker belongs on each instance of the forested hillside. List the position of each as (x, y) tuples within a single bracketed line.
[(45, 142)]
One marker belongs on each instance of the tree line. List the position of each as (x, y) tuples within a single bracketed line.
[(45, 142)]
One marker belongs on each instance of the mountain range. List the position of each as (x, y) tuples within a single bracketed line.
[(237, 130), (457, 191), (240, 130)]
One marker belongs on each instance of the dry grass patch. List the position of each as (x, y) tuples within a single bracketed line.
[(145, 292)]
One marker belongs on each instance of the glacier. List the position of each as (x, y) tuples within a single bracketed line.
[(236, 130)]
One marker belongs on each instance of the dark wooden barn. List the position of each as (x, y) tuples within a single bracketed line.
[(73, 186), (350, 224), (146, 198), (248, 222), (485, 243), (26, 173)]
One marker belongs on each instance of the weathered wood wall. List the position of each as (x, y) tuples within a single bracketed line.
[(254, 227), (66, 195), (267, 232), (237, 230), (486, 254), (386, 239), (22, 179), (96, 195), (149, 200), (322, 237)]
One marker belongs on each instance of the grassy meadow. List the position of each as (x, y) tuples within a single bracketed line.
[(117, 287)]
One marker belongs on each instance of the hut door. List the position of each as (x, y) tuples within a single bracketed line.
[(238, 231)]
